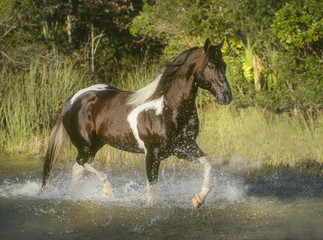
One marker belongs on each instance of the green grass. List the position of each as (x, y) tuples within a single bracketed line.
[(253, 137), (32, 100)]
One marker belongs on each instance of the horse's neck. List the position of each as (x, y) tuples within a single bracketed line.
[(182, 91)]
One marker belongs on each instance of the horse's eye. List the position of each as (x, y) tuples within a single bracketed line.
[(210, 66)]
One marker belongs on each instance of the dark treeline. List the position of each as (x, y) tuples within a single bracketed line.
[(273, 48), (95, 33)]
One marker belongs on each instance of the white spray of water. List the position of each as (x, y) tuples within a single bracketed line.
[(26, 189), (175, 188)]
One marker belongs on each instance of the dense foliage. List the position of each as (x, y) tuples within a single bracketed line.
[(96, 33), (273, 48)]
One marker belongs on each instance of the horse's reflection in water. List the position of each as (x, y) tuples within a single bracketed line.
[(159, 120)]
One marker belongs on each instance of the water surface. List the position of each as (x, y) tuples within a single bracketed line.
[(284, 205)]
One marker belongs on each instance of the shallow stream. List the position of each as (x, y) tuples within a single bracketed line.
[(284, 205)]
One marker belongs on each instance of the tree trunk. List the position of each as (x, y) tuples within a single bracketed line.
[(69, 28), (95, 40), (44, 21), (257, 68), (92, 48)]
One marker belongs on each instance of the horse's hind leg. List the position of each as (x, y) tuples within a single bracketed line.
[(107, 186), (85, 160), (77, 173), (88, 144)]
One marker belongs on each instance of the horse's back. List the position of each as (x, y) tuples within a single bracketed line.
[(100, 112)]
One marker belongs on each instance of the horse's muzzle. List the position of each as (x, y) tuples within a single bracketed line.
[(224, 98)]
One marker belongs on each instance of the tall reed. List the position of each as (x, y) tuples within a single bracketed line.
[(253, 137), (31, 101)]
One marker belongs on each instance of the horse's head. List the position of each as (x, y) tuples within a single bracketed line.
[(210, 73)]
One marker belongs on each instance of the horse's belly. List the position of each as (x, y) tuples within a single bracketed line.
[(119, 135)]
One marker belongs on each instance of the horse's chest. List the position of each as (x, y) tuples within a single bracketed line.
[(159, 126), (189, 127)]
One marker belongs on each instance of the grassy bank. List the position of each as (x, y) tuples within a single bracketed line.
[(231, 136), (31, 101), (253, 137)]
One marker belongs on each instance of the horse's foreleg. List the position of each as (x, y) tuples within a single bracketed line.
[(199, 198), (151, 189), (152, 168), (107, 186)]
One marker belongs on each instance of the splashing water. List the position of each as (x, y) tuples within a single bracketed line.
[(264, 208), (26, 189), (174, 188)]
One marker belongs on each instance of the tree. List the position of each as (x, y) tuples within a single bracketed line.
[(299, 26), (19, 31), (76, 28), (273, 48)]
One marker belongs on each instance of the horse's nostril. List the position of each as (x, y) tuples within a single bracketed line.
[(228, 97)]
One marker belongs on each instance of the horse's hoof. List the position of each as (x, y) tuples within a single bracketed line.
[(197, 201), (149, 203), (108, 189)]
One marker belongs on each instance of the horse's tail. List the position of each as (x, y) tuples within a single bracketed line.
[(56, 142)]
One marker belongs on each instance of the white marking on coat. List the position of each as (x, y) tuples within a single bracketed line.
[(132, 118), (97, 87), (207, 175), (143, 94)]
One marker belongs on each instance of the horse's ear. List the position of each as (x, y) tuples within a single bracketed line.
[(221, 44), (207, 45)]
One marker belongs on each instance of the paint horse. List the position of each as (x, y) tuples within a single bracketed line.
[(159, 120)]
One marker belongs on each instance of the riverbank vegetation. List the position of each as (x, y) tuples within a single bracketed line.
[(49, 50)]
